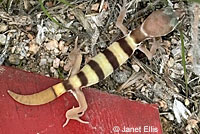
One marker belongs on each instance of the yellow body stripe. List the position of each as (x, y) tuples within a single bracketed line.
[(59, 89), (90, 75), (104, 64), (118, 52), (131, 42), (75, 81)]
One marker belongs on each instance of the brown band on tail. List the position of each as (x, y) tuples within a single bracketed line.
[(44, 96), (53, 90)]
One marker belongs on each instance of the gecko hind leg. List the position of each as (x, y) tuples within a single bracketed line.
[(76, 113)]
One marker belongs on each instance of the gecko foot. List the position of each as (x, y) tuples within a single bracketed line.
[(148, 53), (74, 114)]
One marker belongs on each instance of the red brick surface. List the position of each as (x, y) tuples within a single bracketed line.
[(106, 113)]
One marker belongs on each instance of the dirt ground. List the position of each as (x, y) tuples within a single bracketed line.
[(57, 39)]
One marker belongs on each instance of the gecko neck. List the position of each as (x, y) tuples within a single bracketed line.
[(138, 35)]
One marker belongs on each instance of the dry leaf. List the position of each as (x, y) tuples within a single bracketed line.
[(192, 124), (105, 5), (180, 110), (131, 80), (49, 4), (28, 28), (163, 104), (30, 36)]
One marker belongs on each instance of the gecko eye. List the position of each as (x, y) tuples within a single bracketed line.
[(80, 113), (180, 14)]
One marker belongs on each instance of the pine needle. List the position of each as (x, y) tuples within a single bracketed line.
[(49, 16), (183, 62), (66, 3)]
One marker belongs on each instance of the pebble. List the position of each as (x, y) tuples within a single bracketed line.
[(64, 50), (170, 116), (3, 27), (50, 60), (43, 62), (2, 39), (121, 76), (51, 45), (95, 7), (62, 63), (13, 49), (136, 68), (54, 71), (58, 36), (170, 62), (14, 59), (61, 45), (176, 51), (56, 51), (56, 63), (33, 48), (187, 102), (178, 66)]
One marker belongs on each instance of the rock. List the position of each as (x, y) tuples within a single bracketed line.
[(2, 39), (14, 59)]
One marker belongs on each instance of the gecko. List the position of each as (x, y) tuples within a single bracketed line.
[(158, 23)]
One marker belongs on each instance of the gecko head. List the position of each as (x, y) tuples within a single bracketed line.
[(161, 22)]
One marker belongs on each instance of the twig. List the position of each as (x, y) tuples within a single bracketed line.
[(183, 62)]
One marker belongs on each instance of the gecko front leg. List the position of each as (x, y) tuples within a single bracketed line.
[(121, 17), (76, 113)]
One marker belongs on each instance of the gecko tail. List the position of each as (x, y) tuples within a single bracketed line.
[(40, 98)]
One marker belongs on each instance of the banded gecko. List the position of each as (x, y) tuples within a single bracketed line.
[(159, 23)]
